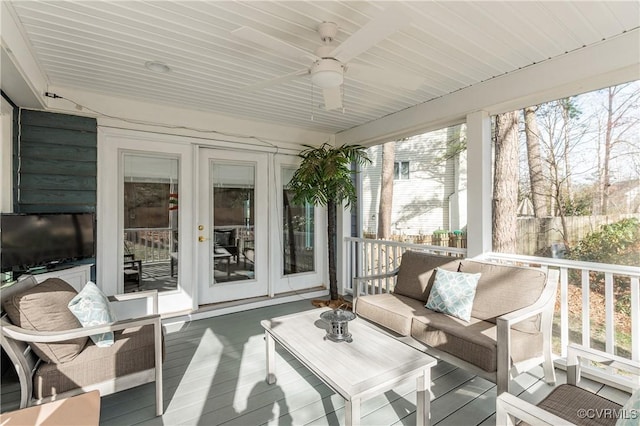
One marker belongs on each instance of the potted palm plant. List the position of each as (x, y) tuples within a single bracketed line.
[(325, 178)]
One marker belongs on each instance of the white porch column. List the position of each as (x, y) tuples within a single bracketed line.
[(478, 183)]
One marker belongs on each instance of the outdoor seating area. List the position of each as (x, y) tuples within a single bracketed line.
[(214, 373), (320, 213)]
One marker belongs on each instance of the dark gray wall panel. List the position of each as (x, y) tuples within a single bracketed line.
[(55, 163)]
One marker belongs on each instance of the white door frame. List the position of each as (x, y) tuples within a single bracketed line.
[(241, 289), (112, 143), (304, 280)]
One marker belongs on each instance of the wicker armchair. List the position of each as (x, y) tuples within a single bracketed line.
[(56, 360), (570, 404)]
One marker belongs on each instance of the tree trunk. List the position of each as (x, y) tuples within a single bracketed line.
[(332, 219), (608, 141), (505, 184), (566, 125), (536, 173), (386, 190)]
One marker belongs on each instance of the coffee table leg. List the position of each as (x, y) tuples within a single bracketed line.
[(352, 412), (271, 358), (423, 409)]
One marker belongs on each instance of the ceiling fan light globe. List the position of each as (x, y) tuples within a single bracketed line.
[(327, 73)]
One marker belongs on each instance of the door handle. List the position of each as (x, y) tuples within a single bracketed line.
[(202, 239)]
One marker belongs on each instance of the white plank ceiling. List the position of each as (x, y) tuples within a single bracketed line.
[(102, 46)]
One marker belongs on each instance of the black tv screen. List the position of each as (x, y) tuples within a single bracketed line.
[(31, 240)]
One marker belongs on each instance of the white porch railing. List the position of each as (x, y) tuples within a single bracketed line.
[(150, 244), (373, 257), (620, 332)]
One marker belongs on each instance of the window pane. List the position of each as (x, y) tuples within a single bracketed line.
[(405, 170), (150, 223), (298, 231)]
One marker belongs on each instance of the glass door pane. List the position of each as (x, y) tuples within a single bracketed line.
[(298, 231), (150, 223), (233, 219)]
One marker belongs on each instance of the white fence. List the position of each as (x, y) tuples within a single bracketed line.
[(619, 332)]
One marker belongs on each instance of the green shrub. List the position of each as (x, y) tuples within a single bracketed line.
[(616, 243)]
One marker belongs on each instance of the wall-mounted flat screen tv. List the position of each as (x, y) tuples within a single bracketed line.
[(34, 240)]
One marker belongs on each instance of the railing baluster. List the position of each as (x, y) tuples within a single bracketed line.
[(586, 294), (635, 318), (564, 311), (380, 271), (609, 313)]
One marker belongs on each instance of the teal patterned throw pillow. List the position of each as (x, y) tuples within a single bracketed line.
[(452, 293), (92, 307)]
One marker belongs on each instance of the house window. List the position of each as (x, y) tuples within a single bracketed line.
[(401, 170)]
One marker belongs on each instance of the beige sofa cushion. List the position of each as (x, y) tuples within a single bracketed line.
[(44, 308), (391, 311), (503, 289), (415, 275), (132, 351), (474, 341)]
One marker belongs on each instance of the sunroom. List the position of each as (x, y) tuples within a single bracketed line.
[(176, 126)]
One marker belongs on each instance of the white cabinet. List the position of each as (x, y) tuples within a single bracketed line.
[(77, 276)]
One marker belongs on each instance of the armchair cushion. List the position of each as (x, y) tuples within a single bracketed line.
[(44, 308), (223, 238), (132, 351), (92, 307), (569, 403)]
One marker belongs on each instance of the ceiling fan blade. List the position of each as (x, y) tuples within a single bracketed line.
[(274, 81), (390, 77), (332, 98), (273, 43), (386, 23)]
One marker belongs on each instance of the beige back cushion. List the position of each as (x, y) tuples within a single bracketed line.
[(503, 289), (44, 308), (415, 276)]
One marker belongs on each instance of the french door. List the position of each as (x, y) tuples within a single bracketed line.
[(232, 224)]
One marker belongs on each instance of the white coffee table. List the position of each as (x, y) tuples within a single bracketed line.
[(373, 363)]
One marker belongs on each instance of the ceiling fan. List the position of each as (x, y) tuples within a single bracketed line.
[(330, 62)]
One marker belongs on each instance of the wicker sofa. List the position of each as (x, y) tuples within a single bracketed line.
[(510, 326)]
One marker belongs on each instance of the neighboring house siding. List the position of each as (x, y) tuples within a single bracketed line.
[(432, 198), (55, 163)]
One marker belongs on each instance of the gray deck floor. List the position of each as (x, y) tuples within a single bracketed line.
[(214, 374)]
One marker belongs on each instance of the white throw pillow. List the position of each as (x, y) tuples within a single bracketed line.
[(92, 307), (453, 293)]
